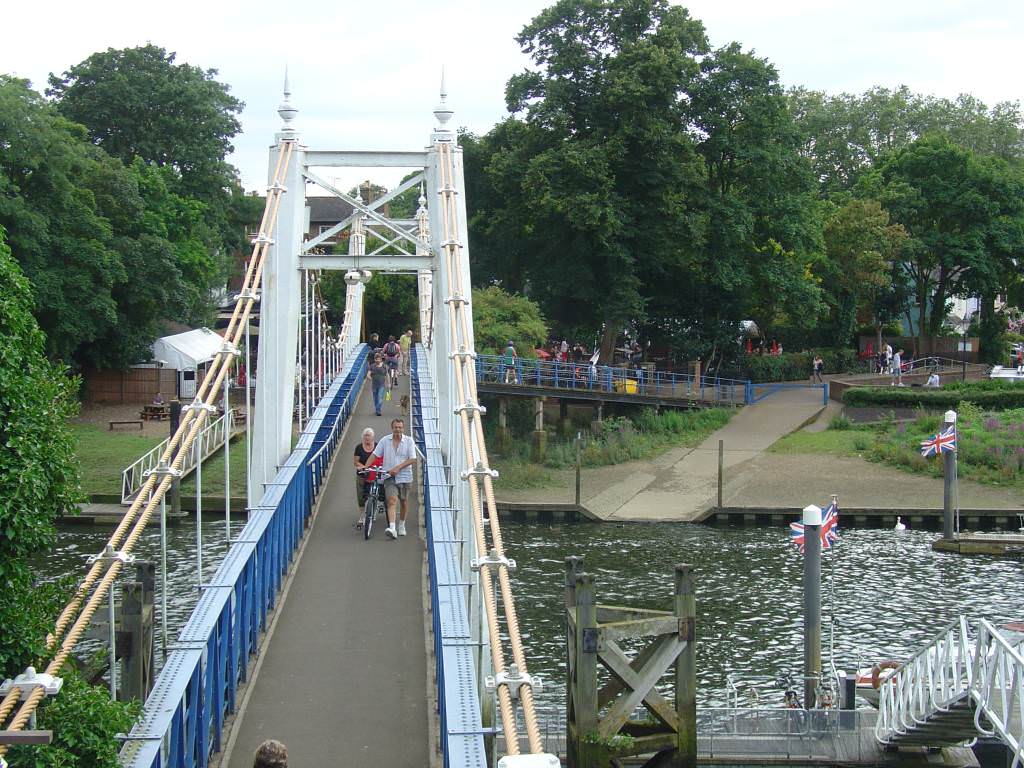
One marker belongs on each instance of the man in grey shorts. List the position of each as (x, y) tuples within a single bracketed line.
[(398, 454)]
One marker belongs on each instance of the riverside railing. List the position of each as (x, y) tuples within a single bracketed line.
[(606, 378), (211, 439), (461, 724), (196, 690)]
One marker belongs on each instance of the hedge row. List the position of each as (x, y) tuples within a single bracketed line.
[(986, 396), (796, 366)]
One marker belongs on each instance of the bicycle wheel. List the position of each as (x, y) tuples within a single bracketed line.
[(368, 510)]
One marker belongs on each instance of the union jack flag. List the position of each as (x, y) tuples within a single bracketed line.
[(829, 529), (944, 442)]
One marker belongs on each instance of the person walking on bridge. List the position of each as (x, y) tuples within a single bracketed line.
[(405, 343), (398, 452), (378, 375)]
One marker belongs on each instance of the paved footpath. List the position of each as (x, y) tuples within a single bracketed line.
[(683, 486), (344, 680)]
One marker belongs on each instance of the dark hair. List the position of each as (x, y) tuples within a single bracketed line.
[(397, 420), (270, 754)]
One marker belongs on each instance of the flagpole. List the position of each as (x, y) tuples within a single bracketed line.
[(949, 480), (812, 602)]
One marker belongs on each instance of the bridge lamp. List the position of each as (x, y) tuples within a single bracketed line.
[(367, 274), (353, 277)]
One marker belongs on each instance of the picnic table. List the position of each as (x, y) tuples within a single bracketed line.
[(156, 412)]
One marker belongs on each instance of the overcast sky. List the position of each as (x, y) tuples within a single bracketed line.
[(365, 75)]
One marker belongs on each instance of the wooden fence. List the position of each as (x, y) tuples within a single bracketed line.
[(128, 386)]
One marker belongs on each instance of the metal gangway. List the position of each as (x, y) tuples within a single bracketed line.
[(966, 682), (210, 441)]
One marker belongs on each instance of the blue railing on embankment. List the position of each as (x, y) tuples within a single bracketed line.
[(184, 714), (462, 744), (606, 378)]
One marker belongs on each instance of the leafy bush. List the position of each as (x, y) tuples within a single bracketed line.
[(796, 366), (990, 446), (989, 395), (84, 722), (839, 422)]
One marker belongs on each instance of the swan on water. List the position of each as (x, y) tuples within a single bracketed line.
[(899, 526)]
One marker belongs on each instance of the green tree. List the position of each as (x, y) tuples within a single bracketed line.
[(500, 317), (49, 210), (139, 103), (598, 166), (846, 135), (861, 246), (136, 102), (963, 217), (38, 475)]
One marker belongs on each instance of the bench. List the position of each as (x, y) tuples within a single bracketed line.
[(125, 421)]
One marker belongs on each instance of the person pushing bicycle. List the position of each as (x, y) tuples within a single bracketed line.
[(363, 459)]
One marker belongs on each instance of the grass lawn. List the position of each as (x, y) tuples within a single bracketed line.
[(622, 440), (104, 455), (834, 442), (990, 445)]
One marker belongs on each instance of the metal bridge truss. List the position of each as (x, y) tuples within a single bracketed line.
[(968, 681)]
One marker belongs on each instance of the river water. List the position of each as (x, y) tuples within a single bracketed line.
[(889, 590), (76, 543)]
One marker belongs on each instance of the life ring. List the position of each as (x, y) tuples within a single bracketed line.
[(877, 670)]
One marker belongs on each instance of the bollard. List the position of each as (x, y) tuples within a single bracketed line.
[(721, 466)]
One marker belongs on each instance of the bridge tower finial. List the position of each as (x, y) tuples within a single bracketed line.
[(286, 110), (442, 111)]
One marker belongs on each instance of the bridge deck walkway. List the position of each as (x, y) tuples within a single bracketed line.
[(343, 680)]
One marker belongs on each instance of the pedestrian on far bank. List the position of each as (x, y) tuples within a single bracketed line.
[(897, 368), (888, 356), (817, 368), (406, 344), (270, 754), (508, 360), (378, 375), (398, 452)]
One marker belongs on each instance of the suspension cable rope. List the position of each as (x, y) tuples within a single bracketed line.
[(476, 452), (102, 574)]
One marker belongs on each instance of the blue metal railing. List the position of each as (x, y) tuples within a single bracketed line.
[(196, 689), (462, 743), (759, 392), (606, 378)]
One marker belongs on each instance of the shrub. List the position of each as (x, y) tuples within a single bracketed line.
[(993, 396), (839, 422), (796, 366)]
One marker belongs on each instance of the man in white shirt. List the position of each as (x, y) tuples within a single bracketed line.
[(398, 453), (897, 369)]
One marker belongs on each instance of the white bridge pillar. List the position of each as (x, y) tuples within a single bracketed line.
[(279, 318)]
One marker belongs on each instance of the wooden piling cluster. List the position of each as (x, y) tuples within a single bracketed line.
[(135, 632), (598, 725)]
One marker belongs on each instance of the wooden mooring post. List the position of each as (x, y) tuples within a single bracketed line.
[(596, 633)]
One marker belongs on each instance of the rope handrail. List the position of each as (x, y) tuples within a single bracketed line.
[(476, 452), (102, 574)]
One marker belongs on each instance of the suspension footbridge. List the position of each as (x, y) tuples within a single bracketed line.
[(372, 653)]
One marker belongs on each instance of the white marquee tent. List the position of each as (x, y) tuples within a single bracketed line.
[(186, 352)]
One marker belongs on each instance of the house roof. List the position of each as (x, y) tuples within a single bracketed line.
[(328, 210)]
